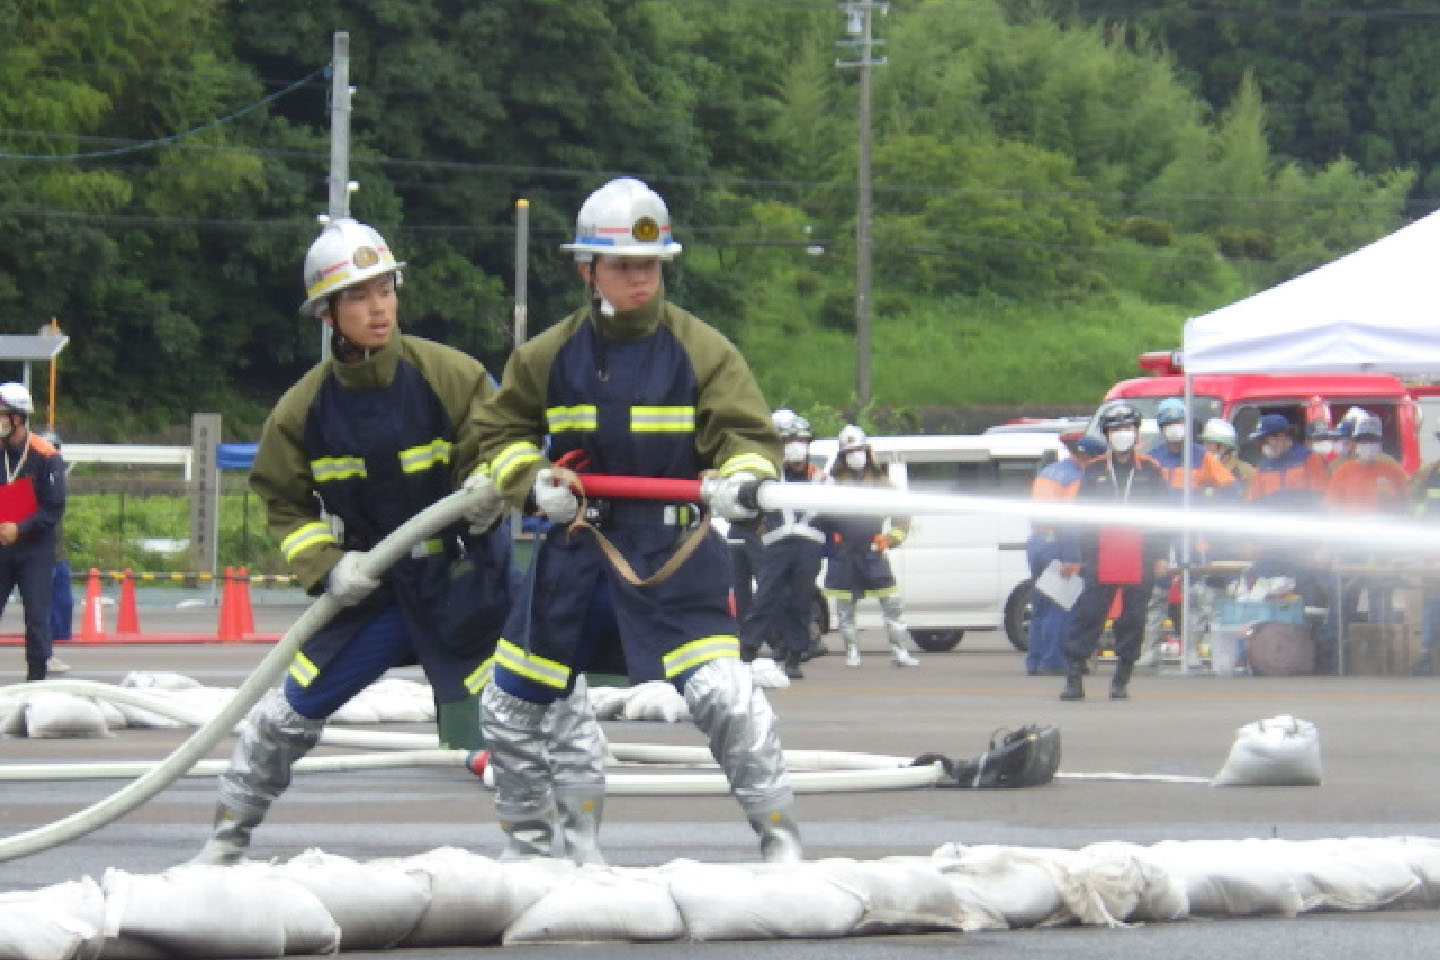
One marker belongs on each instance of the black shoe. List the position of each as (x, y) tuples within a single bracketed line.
[(792, 667), (1074, 689), (748, 654), (1120, 682)]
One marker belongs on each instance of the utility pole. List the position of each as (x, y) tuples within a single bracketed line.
[(859, 24), (339, 180)]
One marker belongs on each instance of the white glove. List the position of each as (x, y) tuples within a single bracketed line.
[(553, 496), (347, 582), (483, 506), (732, 497)]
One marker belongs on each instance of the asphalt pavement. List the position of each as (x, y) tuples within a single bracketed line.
[(1381, 778)]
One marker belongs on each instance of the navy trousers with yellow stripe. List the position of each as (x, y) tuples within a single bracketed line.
[(667, 630)]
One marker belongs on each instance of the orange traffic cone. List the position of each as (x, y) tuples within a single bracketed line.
[(228, 629), (92, 624), (245, 616), (129, 618)]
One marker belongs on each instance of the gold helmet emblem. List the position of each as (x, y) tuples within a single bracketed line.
[(646, 230), (365, 257)]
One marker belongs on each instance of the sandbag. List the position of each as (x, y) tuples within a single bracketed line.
[(376, 905), (607, 702), (1358, 873), (12, 717), (655, 700), (1279, 752), (56, 715), (473, 899), (213, 912), (1004, 887), (59, 922), (1112, 883), (899, 894), (1230, 878), (761, 901), (601, 903)]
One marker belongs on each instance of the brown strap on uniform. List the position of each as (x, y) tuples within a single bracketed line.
[(618, 561)]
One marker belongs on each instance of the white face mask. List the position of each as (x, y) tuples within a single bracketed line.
[(1322, 447), (796, 452), (1174, 432), (4, 426), (855, 459), (1367, 451), (1121, 441), (1270, 450)]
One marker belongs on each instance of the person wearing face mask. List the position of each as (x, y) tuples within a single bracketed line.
[(1368, 484), (1113, 559), (34, 500), (858, 568), (1289, 474), (1058, 482), (364, 441), (1322, 441), (1210, 482), (790, 561), (629, 384), (1220, 442)]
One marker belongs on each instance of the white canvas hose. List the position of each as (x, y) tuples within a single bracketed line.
[(269, 672)]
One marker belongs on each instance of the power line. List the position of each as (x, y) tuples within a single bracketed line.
[(173, 138)]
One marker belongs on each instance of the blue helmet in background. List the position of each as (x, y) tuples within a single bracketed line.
[(1170, 411)]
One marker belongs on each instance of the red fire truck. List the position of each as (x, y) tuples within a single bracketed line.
[(1303, 398)]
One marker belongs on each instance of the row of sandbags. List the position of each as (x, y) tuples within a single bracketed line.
[(31, 710), (319, 903)]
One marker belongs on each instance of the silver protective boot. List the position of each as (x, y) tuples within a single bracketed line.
[(845, 623), (524, 800), (897, 632), (577, 751), (272, 738), (734, 714), (779, 836)]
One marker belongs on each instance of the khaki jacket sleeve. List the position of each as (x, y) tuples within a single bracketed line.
[(461, 384), (733, 429), (509, 425), (282, 478)]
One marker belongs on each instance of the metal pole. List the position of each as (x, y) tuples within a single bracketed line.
[(522, 266), (339, 179), (859, 14)]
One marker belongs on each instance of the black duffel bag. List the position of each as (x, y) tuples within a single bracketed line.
[(1027, 756)]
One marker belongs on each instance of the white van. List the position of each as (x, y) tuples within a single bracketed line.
[(958, 573)]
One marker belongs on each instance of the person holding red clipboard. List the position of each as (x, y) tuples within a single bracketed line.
[(1111, 560), (32, 501)]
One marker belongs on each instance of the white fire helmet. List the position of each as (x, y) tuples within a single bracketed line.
[(783, 419), (1218, 430), (624, 218), (15, 398), (347, 252), (852, 438)]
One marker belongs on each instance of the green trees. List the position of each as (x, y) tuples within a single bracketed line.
[(161, 163)]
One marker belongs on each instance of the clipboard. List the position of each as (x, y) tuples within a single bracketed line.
[(1121, 555), (17, 501)]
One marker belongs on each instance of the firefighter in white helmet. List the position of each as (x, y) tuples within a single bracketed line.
[(32, 502), (363, 442), (858, 567), (629, 384), (792, 548)]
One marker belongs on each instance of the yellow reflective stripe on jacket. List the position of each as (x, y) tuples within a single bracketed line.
[(583, 416), (548, 673), (314, 534), (751, 462), (696, 652), (425, 456), (330, 469), (303, 670), (513, 458), (662, 419), (480, 677)]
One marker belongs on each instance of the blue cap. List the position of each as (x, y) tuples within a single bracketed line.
[(1091, 445), (1271, 423), (1171, 410)]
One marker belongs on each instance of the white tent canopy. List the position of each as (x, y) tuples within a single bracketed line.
[(1377, 309)]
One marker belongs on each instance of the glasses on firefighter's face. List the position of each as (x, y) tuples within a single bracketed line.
[(378, 288)]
